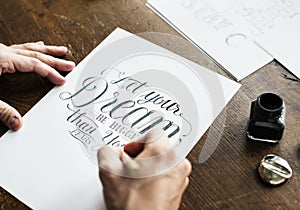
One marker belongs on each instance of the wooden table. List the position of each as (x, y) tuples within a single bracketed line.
[(228, 179)]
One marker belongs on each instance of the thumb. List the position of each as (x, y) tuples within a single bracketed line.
[(10, 116)]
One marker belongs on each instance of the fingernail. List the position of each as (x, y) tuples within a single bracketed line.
[(14, 123), (63, 48), (69, 66), (72, 63), (62, 81)]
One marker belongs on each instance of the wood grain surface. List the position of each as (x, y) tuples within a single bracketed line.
[(228, 179)]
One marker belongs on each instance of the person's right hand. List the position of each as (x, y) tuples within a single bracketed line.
[(31, 57), (161, 192)]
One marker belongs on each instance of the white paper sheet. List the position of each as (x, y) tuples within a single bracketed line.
[(49, 163), (283, 44), (225, 29)]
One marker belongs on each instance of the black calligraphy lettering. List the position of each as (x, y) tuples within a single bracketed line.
[(125, 104)]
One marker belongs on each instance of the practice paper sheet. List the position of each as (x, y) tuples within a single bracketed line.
[(124, 87), (283, 44), (225, 29)]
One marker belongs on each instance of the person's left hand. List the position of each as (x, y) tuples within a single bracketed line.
[(35, 57), (31, 57)]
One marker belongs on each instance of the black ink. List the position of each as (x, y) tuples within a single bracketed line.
[(86, 87), (157, 99), (130, 102), (81, 121)]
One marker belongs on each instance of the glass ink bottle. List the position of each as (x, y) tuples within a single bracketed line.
[(267, 118)]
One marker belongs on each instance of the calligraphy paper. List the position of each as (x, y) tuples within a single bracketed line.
[(225, 29), (283, 44), (123, 88)]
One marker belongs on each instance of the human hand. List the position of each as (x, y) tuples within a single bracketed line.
[(31, 57), (162, 191)]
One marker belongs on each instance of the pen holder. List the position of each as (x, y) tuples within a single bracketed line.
[(267, 118)]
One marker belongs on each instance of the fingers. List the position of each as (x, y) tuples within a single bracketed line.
[(10, 117), (6, 65), (26, 64), (131, 167), (186, 179), (35, 57), (156, 143), (156, 156), (175, 202), (186, 183), (186, 167), (109, 160), (56, 63), (42, 48), (181, 172)]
